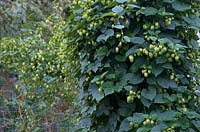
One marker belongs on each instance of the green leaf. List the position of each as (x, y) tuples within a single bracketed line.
[(193, 21), (96, 78), (191, 130), (128, 88), (120, 85), (124, 126), (153, 38), (197, 92), (166, 14), (179, 46), (109, 33), (165, 41), (151, 80), (156, 69), (180, 6), (93, 90), (139, 61), (119, 26), (102, 51), (143, 129), (161, 59), (169, 1), (137, 118), (94, 66), (85, 122), (79, 11), (117, 9), (172, 97), (120, 58), (101, 37), (184, 123), (103, 128), (173, 84), (112, 123), (105, 36), (127, 39), (109, 14), (163, 82), (109, 87), (170, 115), (193, 115), (146, 102), (110, 76), (161, 99), (136, 79), (133, 6), (125, 109), (131, 50), (82, 79), (137, 40), (182, 89), (158, 128), (91, 109), (128, 76), (196, 124), (167, 66), (148, 11), (149, 93), (121, 1)]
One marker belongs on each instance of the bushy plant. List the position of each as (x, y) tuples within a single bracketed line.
[(41, 63), (46, 70), (137, 59)]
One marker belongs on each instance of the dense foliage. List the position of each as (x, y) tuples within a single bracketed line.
[(139, 64), (16, 16), (41, 63), (34, 48), (46, 72)]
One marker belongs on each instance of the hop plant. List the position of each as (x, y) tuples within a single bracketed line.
[(46, 67), (136, 46)]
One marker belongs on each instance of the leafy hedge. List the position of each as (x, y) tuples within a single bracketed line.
[(46, 70), (138, 61), (42, 67)]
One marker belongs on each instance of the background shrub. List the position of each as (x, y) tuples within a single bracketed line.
[(46, 90), (39, 63), (18, 16), (137, 64)]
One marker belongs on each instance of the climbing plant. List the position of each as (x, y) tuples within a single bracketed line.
[(137, 64), (46, 70)]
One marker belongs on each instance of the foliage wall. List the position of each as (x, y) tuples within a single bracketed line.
[(46, 73), (35, 49), (139, 64)]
